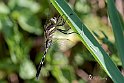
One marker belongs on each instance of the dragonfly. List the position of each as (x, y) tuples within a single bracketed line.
[(49, 29)]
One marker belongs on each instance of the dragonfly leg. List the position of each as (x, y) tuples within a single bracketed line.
[(65, 31)]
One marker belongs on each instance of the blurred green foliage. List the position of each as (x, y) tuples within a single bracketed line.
[(22, 43)]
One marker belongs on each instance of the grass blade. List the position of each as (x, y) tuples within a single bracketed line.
[(117, 26), (88, 40)]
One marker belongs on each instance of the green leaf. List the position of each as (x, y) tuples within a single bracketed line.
[(30, 4), (57, 73), (4, 9), (24, 11), (68, 73), (117, 26), (27, 70), (88, 40), (30, 24)]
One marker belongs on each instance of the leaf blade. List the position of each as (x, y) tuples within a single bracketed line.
[(88, 40)]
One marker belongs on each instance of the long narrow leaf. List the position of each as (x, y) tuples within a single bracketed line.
[(88, 40), (117, 26)]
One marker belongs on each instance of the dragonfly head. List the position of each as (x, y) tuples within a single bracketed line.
[(53, 20)]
